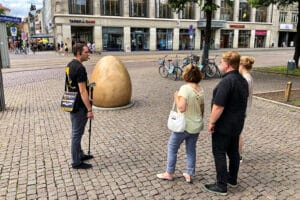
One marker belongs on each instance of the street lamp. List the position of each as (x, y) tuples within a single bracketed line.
[(31, 14)]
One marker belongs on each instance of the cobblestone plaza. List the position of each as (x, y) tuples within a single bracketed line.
[(130, 145)]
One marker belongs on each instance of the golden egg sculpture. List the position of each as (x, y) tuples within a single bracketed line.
[(113, 85)]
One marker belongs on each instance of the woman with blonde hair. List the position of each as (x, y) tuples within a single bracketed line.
[(189, 100), (245, 67)]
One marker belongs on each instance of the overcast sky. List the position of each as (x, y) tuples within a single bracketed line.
[(20, 8)]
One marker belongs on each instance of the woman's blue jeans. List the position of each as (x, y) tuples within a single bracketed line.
[(78, 120), (175, 141)]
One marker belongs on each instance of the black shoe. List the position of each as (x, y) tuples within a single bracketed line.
[(214, 188), (232, 184), (86, 157), (82, 166)]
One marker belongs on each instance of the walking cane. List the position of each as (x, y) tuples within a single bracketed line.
[(91, 87)]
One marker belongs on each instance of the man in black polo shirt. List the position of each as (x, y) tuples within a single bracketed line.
[(83, 107), (226, 122)]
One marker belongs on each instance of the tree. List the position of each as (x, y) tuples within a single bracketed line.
[(283, 3), (209, 7)]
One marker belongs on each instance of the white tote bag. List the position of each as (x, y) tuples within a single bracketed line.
[(176, 121)]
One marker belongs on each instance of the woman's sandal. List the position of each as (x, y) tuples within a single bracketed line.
[(165, 176), (188, 178)]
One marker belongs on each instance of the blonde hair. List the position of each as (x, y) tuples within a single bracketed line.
[(247, 62), (232, 58)]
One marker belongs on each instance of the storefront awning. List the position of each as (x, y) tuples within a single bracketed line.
[(214, 23), (42, 36)]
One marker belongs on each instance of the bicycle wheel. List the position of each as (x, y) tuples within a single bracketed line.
[(173, 75), (163, 71), (179, 72), (211, 70)]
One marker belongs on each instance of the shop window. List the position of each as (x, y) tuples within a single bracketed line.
[(185, 42), (244, 39), (226, 10), (282, 16), (81, 34), (244, 12), (138, 8), (261, 14), (112, 38), (188, 12), (140, 38), (83, 7), (163, 9), (226, 40), (164, 39), (111, 7), (294, 18)]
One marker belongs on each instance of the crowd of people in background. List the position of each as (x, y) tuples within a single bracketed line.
[(28, 47), (31, 47)]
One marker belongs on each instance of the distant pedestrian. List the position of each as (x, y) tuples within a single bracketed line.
[(83, 109), (93, 47), (226, 122), (58, 46), (66, 48), (33, 47), (189, 100), (61, 46), (245, 68), (89, 45)]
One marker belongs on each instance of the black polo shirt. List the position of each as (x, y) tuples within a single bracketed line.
[(232, 94), (77, 75)]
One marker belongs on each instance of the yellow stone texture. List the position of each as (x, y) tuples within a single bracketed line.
[(113, 85)]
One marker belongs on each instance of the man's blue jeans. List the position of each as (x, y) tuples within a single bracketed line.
[(175, 141), (78, 120)]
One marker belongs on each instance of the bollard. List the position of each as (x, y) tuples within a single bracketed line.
[(288, 90)]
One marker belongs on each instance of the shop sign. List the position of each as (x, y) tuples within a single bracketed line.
[(260, 32), (237, 26), (82, 21), (286, 26), (214, 24), (4, 18), (13, 31)]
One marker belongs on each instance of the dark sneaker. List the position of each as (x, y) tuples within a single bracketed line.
[(82, 166), (241, 159), (232, 184), (214, 188), (86, 157)]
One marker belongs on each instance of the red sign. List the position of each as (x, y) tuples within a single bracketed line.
[(260, 32), (237, 26)]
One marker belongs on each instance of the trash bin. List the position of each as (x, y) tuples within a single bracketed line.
[(291, 65)]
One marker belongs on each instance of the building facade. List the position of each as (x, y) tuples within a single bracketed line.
[(143, 25)]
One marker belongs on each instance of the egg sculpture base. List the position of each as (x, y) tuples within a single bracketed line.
[(113, 85)]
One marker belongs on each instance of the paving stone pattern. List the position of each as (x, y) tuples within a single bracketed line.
[(130, 145)]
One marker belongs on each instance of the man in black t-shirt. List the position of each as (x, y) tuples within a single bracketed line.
[(226, 122), (83, 107)]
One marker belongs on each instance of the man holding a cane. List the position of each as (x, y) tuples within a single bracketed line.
[(83, 106)]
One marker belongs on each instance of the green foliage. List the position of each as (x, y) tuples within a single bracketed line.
[(1, 11), (259, 3), (179, 5), (210, 7), (278, 70)]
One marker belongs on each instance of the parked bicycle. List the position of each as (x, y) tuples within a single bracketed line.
[(169, 69), (209, 70), (20, 50)]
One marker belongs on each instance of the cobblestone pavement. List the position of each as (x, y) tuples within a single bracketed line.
[(130, 145)]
